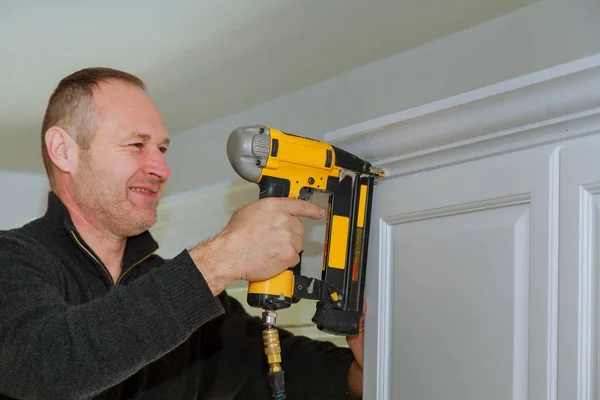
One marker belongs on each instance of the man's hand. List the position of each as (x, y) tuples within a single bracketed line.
[(357, 345), (261, 240)]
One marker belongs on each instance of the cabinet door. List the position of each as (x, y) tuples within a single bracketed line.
[(578, 333), (462, 289)]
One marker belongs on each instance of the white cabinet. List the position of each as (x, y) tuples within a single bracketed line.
[(483, 267), (470, 281), (578, 270), (488, 278)]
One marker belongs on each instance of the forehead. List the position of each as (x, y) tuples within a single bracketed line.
[(123, 108)]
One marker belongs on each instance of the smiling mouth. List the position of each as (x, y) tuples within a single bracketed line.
[(142, 190)]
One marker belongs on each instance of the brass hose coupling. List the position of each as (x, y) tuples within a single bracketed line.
[(273, 353)]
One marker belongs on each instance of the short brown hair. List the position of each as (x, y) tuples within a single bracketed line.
[(71, 106)]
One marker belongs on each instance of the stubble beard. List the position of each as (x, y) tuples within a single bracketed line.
[(106, 206)]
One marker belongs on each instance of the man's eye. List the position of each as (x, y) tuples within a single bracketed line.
[(139, 145), (163, 149)]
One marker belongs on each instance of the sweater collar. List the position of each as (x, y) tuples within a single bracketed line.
[(137, 247)]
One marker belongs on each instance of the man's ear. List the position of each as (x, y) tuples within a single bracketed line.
[(62, 149)]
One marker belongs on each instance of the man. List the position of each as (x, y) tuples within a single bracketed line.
[(88, 311)]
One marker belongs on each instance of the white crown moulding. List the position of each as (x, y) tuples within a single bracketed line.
[(550, 105)]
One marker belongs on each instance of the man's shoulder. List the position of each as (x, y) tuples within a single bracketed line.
[(26, 241), (23, 234)]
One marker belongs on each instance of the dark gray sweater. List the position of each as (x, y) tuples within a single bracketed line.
[(67, 331)]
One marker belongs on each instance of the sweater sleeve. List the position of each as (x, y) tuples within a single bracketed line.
[(50, 349), (316, 370)]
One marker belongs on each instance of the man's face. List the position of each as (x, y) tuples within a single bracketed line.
[(121, 178)]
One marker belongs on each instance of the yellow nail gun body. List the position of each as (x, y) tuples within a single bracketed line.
[(287, 165)]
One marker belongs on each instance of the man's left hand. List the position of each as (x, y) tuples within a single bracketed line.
[(357, 345)]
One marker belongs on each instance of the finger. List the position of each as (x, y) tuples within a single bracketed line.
[(297, 226), (297, 243), (295, 260), (364, 307), (303, 208)]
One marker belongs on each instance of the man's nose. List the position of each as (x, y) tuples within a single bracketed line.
[(156, 164)]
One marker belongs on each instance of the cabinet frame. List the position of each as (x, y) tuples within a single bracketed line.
[(543, 108)]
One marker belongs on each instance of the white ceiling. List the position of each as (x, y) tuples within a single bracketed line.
[(203, 59)]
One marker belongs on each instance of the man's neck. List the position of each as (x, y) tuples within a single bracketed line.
[(109, 247)]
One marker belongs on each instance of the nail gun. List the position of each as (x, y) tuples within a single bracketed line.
[(288, 165)]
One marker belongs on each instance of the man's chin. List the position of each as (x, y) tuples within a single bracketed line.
[(146, 222), (139, 223), (135, 229)]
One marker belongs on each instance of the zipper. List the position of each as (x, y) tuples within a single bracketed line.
[(93, 257), (132, 266), (89, 253)]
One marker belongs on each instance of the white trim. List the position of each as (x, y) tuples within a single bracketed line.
[(428, 136), (520, 82), (503, 141), (553, 263), (588, 292), (384, 345)]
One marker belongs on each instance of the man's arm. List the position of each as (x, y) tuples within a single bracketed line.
[(316, 370), (50, 349)]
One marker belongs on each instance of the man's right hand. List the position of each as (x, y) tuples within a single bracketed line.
[(261, 240)]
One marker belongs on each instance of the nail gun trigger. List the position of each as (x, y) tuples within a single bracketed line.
[(306, 194)]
